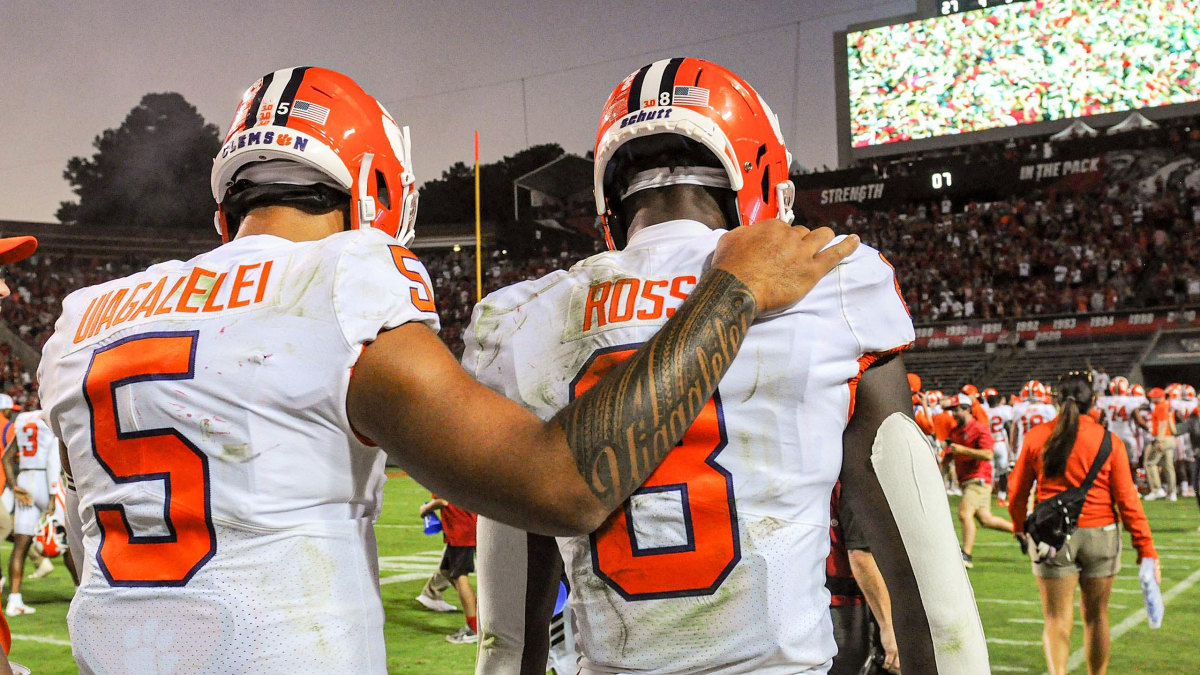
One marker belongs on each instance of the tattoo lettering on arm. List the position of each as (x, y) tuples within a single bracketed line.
[(624, 427)]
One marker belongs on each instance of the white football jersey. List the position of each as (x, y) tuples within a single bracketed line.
[(36, 443), (998, 419), (1182, 407), (717, 563), (1029, 416), (1118, 411), (227, 505)]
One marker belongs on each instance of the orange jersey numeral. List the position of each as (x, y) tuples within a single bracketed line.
[(30, 447), (705, 488), (149, 454)]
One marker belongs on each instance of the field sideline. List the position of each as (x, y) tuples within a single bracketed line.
[(1004, 588)]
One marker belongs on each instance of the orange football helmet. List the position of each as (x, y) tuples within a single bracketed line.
[(1137, 390), (51, 537), (331, 133), (914, 382), (1033, 391), (709, 109), (1174, 391), (1189, 392), (1119, 386)]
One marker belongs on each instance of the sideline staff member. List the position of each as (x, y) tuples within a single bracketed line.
[(1058, 455)]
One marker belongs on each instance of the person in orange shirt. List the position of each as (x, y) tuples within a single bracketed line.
[(1160, 453), (1058, 455), (921, 405)]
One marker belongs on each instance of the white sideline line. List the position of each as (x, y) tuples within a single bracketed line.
[(399, 527), (42, 638), (1077, 658), (1019, 643), (1078, 622), (398, 578), (1128, 591), (1006, 601), (1009, 669), (1179, 556)]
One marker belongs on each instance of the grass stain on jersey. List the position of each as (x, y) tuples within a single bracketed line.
[(236, 452)]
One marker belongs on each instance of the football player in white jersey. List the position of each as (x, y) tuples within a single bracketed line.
[(1035, 411), (1000, 423), (1138, 407), (717, 564), (219, 415), (1118, 408), (31, 463)]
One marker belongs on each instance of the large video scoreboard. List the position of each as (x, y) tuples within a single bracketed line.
[(946, 7), (980, 66)]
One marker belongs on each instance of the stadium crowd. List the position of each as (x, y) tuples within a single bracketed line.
[(1111, 248)]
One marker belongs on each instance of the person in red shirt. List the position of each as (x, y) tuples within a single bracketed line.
[(458, 562), (970, 444), (1058, 455), (1160, 453)]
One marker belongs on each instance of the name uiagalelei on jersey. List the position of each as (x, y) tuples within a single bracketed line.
[(203, 292)]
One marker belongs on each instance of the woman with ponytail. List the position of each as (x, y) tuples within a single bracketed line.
[(1058, 455)]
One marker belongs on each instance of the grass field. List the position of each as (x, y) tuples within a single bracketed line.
[(1004, 588)]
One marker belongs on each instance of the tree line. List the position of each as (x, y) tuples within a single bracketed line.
[(152, 171)]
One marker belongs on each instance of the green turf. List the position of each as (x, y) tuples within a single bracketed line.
[(1007, 594)]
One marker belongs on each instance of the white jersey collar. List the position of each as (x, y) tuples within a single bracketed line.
[(658, 233)]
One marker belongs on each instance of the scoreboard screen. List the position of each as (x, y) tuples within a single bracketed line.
[(945, 7), (1015, 63)]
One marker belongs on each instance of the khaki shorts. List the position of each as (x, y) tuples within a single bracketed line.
[(977, 495), (1091, 552)]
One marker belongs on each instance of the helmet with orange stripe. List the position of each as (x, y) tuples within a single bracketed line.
[(687, 121), (313, 139)]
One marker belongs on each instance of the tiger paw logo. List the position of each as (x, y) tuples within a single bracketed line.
[(283, 139)]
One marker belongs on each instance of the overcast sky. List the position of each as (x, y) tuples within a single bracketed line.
[(520, 72)]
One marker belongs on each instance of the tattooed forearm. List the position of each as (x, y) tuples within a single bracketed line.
[(623, 428)]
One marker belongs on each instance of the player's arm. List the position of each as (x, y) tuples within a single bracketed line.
[(518, 585), (870, 581), (11, 470), (491, 456), (891, 478), (72, 517)]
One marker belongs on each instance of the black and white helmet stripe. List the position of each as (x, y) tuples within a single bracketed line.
[(652, 81), (277, 88)]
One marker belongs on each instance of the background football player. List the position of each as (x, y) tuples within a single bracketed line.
[(33, 461)]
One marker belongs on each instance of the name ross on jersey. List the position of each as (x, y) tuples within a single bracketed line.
[(198, 291), (629, 299)]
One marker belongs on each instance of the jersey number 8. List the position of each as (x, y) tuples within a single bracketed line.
[(712, 549)]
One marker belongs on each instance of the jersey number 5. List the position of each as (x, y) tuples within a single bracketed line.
[(707, 547), (149, 455)]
